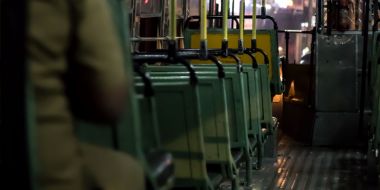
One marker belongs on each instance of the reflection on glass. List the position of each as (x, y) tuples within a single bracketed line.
[(194, 7), (179, 10), (150, 8)]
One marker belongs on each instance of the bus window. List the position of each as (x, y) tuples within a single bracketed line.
[(150, 8)]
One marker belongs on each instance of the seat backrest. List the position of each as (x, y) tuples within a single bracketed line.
[(213, 113), (254, 97), (266, 100), (235, 101), (177, 108), (148, 119)]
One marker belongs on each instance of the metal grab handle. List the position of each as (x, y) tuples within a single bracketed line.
[(239, 66), (190, 68), (221, 73), (266, 59), (249, 52), (148, 88), (254, 61), (173, 58), (263, 8)]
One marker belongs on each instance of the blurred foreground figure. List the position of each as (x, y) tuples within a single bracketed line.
[(76, 41)]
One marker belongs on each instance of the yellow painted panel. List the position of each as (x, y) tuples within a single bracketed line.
[(212, 151), (199, 171), (179, 143), (182, 168)]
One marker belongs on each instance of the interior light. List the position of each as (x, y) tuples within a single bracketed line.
[(284, 3)]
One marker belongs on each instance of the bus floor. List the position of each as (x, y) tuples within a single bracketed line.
[(303, 167)]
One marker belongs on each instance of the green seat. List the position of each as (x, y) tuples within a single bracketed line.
[(214, 119), (270, 84), (236, 106), (179, 128), (252, 94), (265, 100), (256, 90), (148, 121), (151, 143)]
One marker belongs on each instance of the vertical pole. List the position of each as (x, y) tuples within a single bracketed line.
[(212, 10), (319, 16), (287, 47), (233, 13), (172, 43), (253, 39), (263, 10), (376, 15), (254, 20), (203, 20), (172, 19), (225, 28), (364, 66), (225, 19), (203, 28), (312, 69), (241, 29)]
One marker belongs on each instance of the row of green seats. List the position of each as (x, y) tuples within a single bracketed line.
[(212, 127), (267, 40), (209, 128)]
